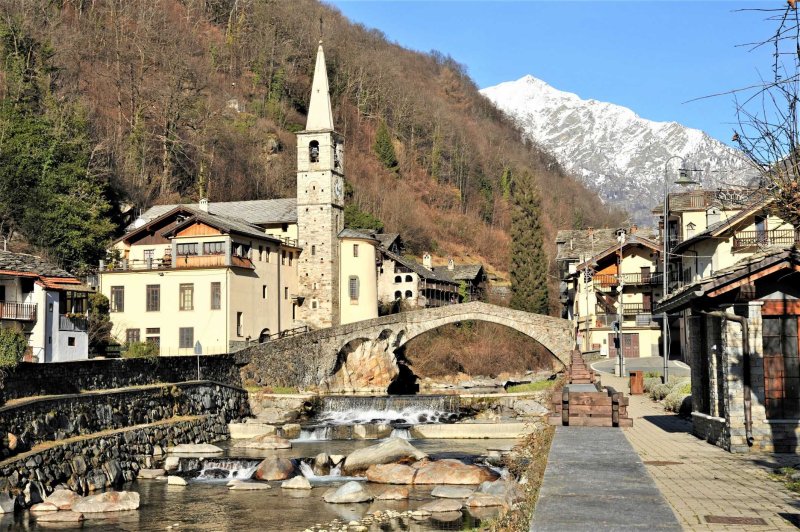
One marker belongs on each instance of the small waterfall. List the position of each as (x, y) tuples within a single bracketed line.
[(412, 409), (220, 469), (321, 433), (334, 476), (402, 433)]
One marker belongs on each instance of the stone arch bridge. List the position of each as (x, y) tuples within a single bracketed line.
[(361, 356)]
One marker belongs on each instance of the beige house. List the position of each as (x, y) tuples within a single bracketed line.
[(359, 291), (614, 279)]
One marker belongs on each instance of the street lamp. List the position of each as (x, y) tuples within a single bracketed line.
[(621, 237), (683, 180)]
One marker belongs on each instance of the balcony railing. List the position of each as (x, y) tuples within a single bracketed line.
[(179, 262), (632, 309), (68, 323), (11, 310), (776, 237), (634, 279)]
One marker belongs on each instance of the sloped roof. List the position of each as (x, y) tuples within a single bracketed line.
[(718, 228), (11, 263), (223, 223), (747, 267), (631, 240), (417, 268), (352, 233), (580, 243), (386, 239), (460, 272), (256, 212)]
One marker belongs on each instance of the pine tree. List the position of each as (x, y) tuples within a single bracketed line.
[(384, 147), (528, 259)]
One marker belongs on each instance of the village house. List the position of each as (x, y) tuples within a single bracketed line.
[(406, 283), (595, 282), (47, 304)]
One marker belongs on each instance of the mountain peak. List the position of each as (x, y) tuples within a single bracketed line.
[(613, 150)]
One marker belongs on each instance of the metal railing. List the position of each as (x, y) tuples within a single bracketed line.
[(68, 323), (632, 309), (178, 262), (643, 279), (288, 333), (11, 310), (776, 237)]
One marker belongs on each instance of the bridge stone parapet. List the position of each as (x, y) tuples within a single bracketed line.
[(360, 355)]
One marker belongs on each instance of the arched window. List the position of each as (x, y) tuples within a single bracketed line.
[(398, 294), (398, 278), (313, 151), (409, 294), (409, 278)]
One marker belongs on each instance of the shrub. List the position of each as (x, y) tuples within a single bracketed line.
[(683, 388), (12, 347), (660, 391), (651, 382), (679, 403), (652, 375), (148, 350)]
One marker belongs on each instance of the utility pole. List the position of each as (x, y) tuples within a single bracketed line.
[(620, 314)]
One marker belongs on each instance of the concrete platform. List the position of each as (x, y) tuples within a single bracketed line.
[(471, 430), (595, 481)]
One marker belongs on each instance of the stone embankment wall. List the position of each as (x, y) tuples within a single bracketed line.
[(29, 379), (30, 422), (89, 463)]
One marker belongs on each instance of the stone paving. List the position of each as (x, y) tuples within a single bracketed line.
[(703, 483)]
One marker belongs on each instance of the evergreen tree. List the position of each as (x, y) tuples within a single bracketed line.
[(384, 148), (528, 259)]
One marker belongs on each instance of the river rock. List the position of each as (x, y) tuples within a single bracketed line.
[(274, 468), (529, 408), (443, 505), (109, 501), (195, 448), (275, 416), (59, 517), (151, 473), (171, 463), (44, 507), (174, 480), (509, 490), (322, 464), (386, 452), (350, 492), (485, 499), (451, 492), (297, 483), (291, 431), (265, 441), (393, 494), (63, 499), (391, 474), (336, 459), (13, 441), (249, 486), (6, 504), (450, 471)]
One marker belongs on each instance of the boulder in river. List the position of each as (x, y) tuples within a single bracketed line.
[(248, 485), (322, 465), (393, 494), (478, 499), (450, 471), (274, 468), (174, 480), (441, 505), (150, 473), (348, 493), (6, 504), (386, 452), (63, 499), (391, 474), (195, 448), (109, 501), (265, 441), (296, 483), (59, 517), (451, 492), (509, 490)]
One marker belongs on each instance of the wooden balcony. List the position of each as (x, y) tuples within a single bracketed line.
[(776, 237), (180, 262), (633, 309), (634, 279), (11, 310), (70, 323)]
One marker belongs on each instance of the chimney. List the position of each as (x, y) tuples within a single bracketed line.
[(633, 229), (204, 204), (451, 265), (426, 260)]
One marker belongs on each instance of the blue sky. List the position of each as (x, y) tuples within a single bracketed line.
[(651, 56)]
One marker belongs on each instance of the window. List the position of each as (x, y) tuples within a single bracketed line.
[(153, 330), (398, 294), (149, 254), (264, 292), (409, 294), (291, 256), (781, 367), (71, 341), (187, 249), (398, 278), (117, 299), (238, 324), (155, 340), (70, 301), (285, 292), (284, 227), (355, 250), (314, 303), (260, 253), (409, 278), (353, 288), (131, 336), (283, 256), (213, 248), (313, 250), (313, 151), (268, 251), (186, 296), (241, 250), (186, 337), (216, 296), (153, 298)]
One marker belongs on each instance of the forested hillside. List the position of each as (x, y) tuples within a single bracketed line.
[(163, 99)]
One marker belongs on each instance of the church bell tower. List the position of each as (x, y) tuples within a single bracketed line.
[(320, 206)]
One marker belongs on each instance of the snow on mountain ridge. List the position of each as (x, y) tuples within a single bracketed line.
[(615, 151)]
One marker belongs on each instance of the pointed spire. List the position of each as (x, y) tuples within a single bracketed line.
[(320, 117)]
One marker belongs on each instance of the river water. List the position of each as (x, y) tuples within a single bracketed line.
[(209, 505)]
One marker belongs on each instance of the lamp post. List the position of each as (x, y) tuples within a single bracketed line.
[(683, 180), (620, 309)]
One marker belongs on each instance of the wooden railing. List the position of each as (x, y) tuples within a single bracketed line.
[(776, 237), (632, 309), (179, 262), (11, 310), (67, 323)]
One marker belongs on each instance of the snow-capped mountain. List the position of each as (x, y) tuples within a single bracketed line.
[(614, 151)]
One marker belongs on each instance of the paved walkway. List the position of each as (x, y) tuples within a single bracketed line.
[(704, 484), (595, 481)]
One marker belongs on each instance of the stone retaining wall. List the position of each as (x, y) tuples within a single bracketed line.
[(31, 422), (29, 379), (87, 464)]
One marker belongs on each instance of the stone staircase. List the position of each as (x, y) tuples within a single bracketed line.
[(582, 403)]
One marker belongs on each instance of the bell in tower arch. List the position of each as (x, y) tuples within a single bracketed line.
[(313, 151)]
